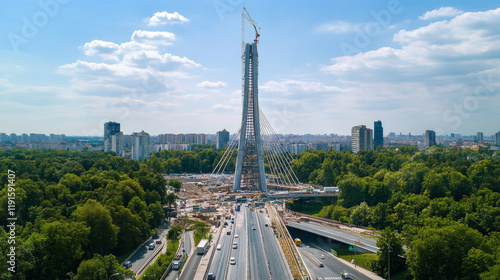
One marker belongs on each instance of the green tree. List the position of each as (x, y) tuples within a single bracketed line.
[(390, 252), (101, 268), (438, 253), (103, 232)]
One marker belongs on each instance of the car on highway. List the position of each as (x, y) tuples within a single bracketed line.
[(266, 225), (211, 276), (151, 246), (235, 245), (346, 276), (322, 256), (232, 260), (127, 264), (219, 246), (235, 236), (158, 241), (254, 228)]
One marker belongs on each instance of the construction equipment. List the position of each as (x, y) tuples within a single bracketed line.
[(246, 15)]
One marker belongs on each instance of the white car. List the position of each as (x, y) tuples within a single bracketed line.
[(232, 261), (235, 236), (322, 256)]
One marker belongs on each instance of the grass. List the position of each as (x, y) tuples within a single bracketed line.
[(156, 270), (364, 260)]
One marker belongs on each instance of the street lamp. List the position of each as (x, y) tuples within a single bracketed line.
[(118, 273)]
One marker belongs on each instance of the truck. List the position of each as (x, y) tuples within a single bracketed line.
[(202, 247), (331, 189), (237, 208), (178, 261)]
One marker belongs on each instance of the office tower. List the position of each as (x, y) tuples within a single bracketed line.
[(222, 138), (497, 138), (111, 128), (250, 171), (378, 134), (430, 138), (361, 138), (480, 137), (140, 145)]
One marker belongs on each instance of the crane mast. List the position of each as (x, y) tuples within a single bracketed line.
[(246, 15)]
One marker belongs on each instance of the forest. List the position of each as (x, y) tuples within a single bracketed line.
[(77, 212), (81, 209), (442, 204)]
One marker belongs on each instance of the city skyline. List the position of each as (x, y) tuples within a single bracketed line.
[(176, 66)]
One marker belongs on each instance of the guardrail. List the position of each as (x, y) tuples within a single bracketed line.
[(146, 264), (169, 268), (337, 237), (299, 270)]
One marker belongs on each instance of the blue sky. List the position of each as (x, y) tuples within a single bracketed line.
[(174, 66)]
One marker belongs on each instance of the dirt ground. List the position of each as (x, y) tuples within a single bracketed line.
[(192, 190)]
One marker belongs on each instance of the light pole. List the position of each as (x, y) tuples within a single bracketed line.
[(388, 261), (118, 273)]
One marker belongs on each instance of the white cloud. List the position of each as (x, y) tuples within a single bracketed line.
[(103, 49), (153, 37), (441, 12), (209, 84), (163, 18), (339, 26), (223, 107), (290, 86), (435, 69)]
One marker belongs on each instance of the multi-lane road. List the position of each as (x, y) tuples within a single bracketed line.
[(257, 254)]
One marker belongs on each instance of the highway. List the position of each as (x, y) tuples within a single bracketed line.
[(332, 269), (187, 248), (190, 267), (277, 264), (240, 269), (259, 268), (220, 259), (346, 237), (143, 254)]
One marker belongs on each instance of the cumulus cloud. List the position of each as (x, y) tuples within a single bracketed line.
[(339, 26), (163, 18), (209, 84), (441, 12), (434, 70), (153, 37), (103, 49)]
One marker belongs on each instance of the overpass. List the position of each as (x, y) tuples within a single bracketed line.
[(343, 236)]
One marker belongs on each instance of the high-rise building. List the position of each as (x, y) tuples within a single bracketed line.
[(497, 138), (361, 138), (378, 134), (222, 138), (430, 138), (111, 128), (140, 145), (113, 138), (480, 137)]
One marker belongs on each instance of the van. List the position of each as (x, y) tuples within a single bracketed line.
[(219, 246)]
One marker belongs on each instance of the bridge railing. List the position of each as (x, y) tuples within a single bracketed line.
[(297, 266)]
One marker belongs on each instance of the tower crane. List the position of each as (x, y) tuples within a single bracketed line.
[(246, 15)]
